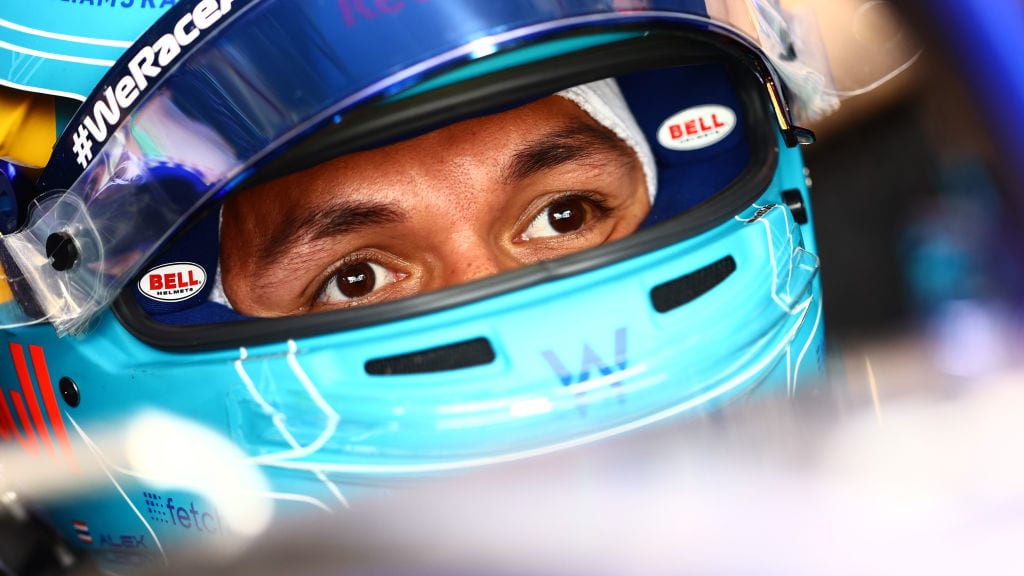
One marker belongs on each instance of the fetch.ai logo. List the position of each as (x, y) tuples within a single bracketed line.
[(182, 514)]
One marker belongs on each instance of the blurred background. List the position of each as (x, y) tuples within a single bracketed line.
[(919, 191), (918, 186)]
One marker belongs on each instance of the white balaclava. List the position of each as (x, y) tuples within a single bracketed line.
[(604, 102)]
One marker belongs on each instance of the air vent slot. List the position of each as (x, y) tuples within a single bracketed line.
[(685, 289), (476, 352)]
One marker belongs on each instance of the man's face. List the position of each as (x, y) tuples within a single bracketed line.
[(466, 201)]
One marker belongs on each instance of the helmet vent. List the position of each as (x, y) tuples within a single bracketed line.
[(475, 352), (685, 289)]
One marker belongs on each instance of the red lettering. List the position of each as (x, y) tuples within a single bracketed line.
[(675, 131), (716, 122), (704, 127), (349, 9), (691, 127), (169, 282), (156, 282), (191, 279), (389, 6)]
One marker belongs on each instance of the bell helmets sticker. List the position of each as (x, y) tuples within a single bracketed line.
[(173, 282), (697, 127)]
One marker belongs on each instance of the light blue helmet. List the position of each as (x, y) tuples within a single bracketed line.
[(63, 48), (111, 312)]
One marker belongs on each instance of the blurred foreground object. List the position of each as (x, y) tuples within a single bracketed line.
[(899, 470)]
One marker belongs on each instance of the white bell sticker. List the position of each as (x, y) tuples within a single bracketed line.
[(173, 282), (697, 127)]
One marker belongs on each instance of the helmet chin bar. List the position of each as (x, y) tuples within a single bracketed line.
[(374, 422)]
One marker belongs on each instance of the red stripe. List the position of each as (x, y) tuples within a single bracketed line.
[(18, 354), (50, 400), (29, 443), (79, 525), (6, 422)]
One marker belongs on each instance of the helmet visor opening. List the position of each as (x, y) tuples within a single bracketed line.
[(488, 178), (223, 90)]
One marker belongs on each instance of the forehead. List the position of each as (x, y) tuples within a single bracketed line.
[(459, 150), (484, 136)]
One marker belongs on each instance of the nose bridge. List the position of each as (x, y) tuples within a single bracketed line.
[(470, 256)]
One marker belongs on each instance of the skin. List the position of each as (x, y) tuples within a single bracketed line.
[(511, 189)]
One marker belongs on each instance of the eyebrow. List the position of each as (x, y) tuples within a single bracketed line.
[(341, 217), (575, 142)]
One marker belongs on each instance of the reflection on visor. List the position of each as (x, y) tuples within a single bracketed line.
[(209, 110)]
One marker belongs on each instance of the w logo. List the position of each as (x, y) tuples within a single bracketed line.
[(33, 434)]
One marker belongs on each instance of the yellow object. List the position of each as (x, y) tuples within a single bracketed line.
[(5, 288), (28, 127), (28, 130)]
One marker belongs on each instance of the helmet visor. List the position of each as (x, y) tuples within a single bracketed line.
[(212, 99)]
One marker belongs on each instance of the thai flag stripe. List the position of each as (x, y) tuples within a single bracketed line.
[(83, 531)]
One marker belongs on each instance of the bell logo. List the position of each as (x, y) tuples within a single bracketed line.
[(173, 282), (697, 127), (31, 429)]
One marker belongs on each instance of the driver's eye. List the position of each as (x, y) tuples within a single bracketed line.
[(357, 280), (566, 216), (563, 216)]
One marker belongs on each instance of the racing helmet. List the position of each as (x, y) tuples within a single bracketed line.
[(117, 322)]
